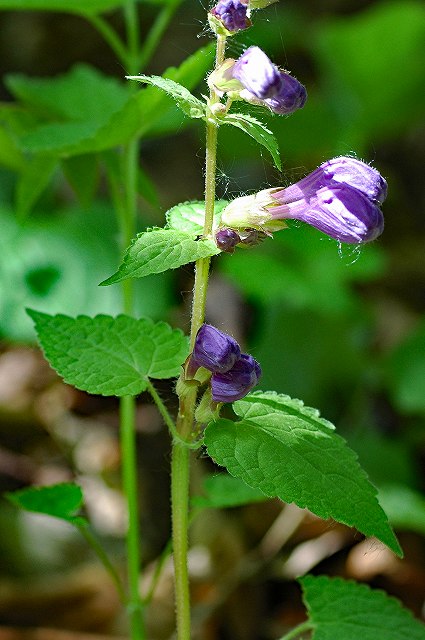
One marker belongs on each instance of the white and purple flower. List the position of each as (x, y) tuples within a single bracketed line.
[(340, 198), (253, 77)]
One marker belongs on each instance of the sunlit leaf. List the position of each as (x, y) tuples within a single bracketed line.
[(190, 216), (288, 451), (110, 356), (158, 250), (185, 100)]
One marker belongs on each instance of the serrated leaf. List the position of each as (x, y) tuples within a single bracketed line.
[(189, 216), (288, 451), (85, 7), (185, 100), (345, 609), (110, 356), (59, 500), (223, 491), (159, 250), (258, 131)]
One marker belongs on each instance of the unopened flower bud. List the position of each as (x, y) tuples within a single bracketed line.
[(227, 239), (229, 17), (237, 382), (213, 350)]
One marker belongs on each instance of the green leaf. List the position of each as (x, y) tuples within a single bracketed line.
[(288, 451), (258, 131), (345, 609), (59, 500), (139, 116), (110, 356), (158, 250), (32, 182), (83, 175), (82, 94), (222, 491), (85, 7), (185, 100), (189, 216)]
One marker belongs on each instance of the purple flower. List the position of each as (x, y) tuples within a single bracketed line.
[(258, 74), (237, 382), (213, 350), (339, 171), (291, 97), (233, 373), (340, 198), (232, 14), (265, 84)]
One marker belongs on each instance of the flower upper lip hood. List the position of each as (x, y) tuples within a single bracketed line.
[(342, 170), (258, 74), (340, 198)]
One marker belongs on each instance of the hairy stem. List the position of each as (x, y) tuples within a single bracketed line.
[(180, 462), (129, 471)]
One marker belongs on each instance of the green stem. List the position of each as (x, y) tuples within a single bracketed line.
[(133, 35), (110, 36), (156, 32), (129, 471), (180, 461), (297, 631), (103, 557)]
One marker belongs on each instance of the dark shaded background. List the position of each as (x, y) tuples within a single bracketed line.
[(341, 328)]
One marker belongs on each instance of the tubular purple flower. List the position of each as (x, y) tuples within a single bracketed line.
[(232, 14), (237, 382), (342, 212), (213, 350), (340, 198)]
